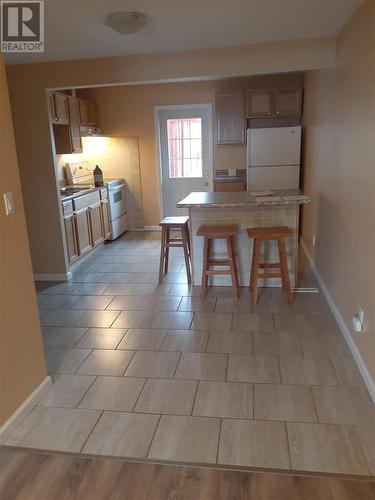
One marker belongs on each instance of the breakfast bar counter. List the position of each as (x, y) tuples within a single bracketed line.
[(245, 209)]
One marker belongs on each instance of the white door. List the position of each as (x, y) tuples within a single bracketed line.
[(274, 146), (185, 147)]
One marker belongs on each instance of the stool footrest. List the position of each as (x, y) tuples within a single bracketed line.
[(221, 273), (273, 265), (269, 275), (218, 262)]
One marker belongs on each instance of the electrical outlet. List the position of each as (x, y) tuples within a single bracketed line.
[(361, 314), (9, 203), (358, 321), (314, 240)]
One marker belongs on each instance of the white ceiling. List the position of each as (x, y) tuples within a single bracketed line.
[(75, 28)]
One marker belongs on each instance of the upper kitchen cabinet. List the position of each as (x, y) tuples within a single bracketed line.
[(75, 132), (58, 108), (288, 102), (68, 137), (88, 112), (230, 112), (259, 103), (274, 103)]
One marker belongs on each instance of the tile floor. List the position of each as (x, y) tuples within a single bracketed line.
[(150, 371)]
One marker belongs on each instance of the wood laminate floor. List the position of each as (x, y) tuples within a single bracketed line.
[(27, 475)]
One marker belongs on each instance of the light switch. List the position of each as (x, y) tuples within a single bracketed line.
[(9, 203)]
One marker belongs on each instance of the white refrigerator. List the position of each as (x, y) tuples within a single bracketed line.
[(273, 158)]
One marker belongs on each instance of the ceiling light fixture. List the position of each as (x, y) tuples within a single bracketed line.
[(126, 23)]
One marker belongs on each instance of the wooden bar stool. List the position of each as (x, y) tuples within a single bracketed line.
[(225, 232), (179, 224), (259, 234)]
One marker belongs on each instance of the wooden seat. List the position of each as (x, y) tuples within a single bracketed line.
[(269, 233), (259, 234), (225, 232), (174, 224), (217, 231)]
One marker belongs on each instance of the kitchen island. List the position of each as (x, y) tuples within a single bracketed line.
[(245, 209)]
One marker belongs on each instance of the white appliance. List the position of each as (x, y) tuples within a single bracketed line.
[(273, 158), (117, 206), (80, 173)]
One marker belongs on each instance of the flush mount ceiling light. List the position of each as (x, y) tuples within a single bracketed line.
[(126, 22)]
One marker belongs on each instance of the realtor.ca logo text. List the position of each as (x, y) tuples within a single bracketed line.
[(22, 26)]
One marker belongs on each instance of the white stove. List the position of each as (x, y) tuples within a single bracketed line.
[(80, 173)]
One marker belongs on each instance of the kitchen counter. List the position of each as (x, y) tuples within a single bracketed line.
[(243, 199), (80, 192), (244, 209)]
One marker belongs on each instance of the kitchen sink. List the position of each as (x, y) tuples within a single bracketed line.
[(69, 190)]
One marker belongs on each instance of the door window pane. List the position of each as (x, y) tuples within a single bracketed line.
[(185, 147)]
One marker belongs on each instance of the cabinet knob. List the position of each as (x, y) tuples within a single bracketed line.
[(277, 112), (269, 113)]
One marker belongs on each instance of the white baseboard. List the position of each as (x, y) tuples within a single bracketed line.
[(148, 228), (24, 409), (52, 277), (369, 382)]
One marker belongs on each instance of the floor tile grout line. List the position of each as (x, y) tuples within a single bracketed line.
[(206, 380), (92, 383), (288, 445), (139, 395), (75, 372), (219, 441), (178, 362), (314, 404), (365, 456), (101, 413), (195, 397), (214, 417), (153, 436)]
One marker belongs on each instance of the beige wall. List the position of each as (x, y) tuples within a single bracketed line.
[(340, 174), (21, 352), (27, 84), (129, 111)]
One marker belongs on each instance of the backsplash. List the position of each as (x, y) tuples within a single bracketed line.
[(225, 172)]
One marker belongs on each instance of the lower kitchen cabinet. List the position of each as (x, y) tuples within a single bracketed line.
[(229, 186), (71, 240), (87, 224), (83, 231), (96, 224), (105, 219)]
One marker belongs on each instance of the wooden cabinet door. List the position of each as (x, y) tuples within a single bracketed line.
[(230, 115), (224, 187), (51, 107), (105, 220), (288, 102), (96, 224), (61, 108), (74, 125), (84, 113), (93, 114), (259, 103), (71, 239), (83, 231)]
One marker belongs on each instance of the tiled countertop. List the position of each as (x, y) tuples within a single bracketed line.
[(243, 199)]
